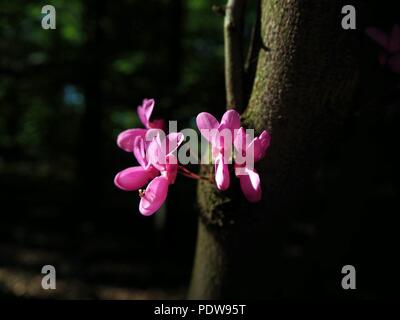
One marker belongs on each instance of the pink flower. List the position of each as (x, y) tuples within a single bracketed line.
[(220, 135), (144, 112), (390, 44), (136, 177), (248, 176), (127, 138), (157, 164)]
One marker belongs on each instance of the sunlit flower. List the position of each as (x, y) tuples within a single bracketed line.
[(158, 164), (248, 176), (127, 138), (221, 143)]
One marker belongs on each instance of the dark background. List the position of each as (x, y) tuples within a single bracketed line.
[(65, 94)]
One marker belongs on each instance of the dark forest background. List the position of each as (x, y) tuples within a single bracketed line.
[(65, 94)]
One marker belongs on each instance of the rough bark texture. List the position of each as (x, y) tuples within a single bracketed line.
[(303, 93)]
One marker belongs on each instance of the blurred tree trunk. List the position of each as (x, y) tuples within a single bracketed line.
[(303, 94)]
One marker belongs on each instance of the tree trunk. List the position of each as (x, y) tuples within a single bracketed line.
[(303, 93)]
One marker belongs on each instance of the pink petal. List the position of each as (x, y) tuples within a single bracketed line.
[(265, 140), (241, 140), (154, 154), (231, 119), (222, 143), (139, 151), (159, 150), (132, 178), (153, 133), (205, 123), (127, 138), (222, 178), (378, 36), (250, 185), (260, 145), (154, 196), (145, 110), (172, 142), (254, 150)]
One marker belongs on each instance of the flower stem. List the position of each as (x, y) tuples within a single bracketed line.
[(187, 173)]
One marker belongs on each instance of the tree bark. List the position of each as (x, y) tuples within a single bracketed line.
[(303, 94)]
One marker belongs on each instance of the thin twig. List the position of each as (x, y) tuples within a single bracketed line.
[(255, 41), (193, 175), (233, 37), (250, 66)]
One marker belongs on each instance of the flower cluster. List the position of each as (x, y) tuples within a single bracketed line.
[(243, 145), (158, 164), (391, 45)]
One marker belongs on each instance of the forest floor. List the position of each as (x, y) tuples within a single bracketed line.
[(95, 258)]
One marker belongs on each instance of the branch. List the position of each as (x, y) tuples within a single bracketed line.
[(233, 36), (255, 41), (250, 64)]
